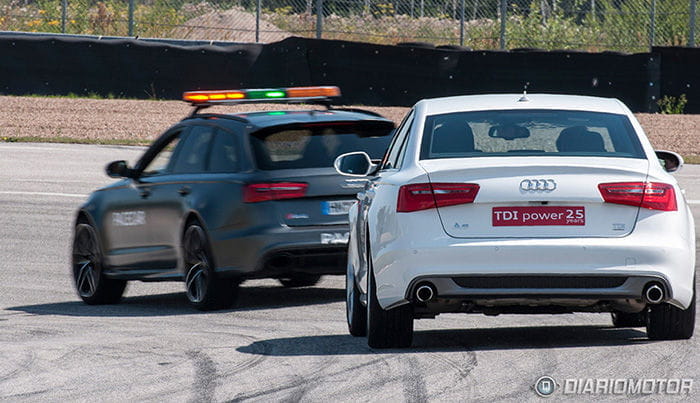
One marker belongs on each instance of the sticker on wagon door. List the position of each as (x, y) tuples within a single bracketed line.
[(538, 215)]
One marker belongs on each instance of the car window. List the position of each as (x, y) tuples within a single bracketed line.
[(529, 132), (192, 156), (311, 148), (391, 160), (224, 153), (162, 160)]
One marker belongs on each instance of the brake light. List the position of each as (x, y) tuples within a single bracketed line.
[(257, 192), (650, 195), (423, 196)]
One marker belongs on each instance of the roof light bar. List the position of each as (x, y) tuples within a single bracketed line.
[(292, 94)]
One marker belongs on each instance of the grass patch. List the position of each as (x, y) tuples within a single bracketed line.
[(71, 95), (70, 140), (691, 159)]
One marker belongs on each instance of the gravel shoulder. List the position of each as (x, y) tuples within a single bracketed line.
[(140, 121)]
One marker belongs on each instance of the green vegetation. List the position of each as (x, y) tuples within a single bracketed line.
[(592, 25), (691, 159), (670, 105), (70, 95), (73, 140), (109, 18), (622, 25)]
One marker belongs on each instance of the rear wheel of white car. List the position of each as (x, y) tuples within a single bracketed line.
[(90, 282), (666, 322), (626, 319), (387, 328), (204, 289), (356, 314)]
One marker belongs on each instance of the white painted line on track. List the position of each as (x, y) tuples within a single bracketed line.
[(693, 201), (82, 196)]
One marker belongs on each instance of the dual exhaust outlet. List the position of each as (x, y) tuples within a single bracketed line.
[(425, 292), (653, 293)]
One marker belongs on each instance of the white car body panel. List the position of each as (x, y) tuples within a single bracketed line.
[(405, 247), (576, 179)]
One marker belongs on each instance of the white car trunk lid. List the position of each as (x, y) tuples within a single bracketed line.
[(537, 197)]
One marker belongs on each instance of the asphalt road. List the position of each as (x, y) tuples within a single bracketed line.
[(278, 344)]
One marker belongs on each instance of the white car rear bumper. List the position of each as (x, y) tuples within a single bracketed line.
[(635, 259)]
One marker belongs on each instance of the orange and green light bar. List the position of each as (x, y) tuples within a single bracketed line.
[(261, 95)]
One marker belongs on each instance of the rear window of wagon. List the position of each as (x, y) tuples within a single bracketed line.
[(297, 148), (529, 133)]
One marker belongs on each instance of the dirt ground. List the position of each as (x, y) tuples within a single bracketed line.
[(110, 120), (234, 25)]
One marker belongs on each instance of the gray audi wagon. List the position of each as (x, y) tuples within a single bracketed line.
[(220, 198)]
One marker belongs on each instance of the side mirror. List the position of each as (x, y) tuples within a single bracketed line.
[(354, 164), (119, 169), (671, 161)]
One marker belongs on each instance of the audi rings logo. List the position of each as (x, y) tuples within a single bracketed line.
[(534, 185)]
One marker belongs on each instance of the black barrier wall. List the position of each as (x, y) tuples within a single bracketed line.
[(368, 74), (680, 74), (123, 68), (390, 75)]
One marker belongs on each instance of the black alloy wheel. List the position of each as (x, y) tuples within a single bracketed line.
[(204, 289), (90, 282)]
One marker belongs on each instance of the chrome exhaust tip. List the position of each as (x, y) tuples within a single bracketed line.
[(425, 292), (653, 294)]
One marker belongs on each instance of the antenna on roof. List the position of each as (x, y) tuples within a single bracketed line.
[(524, 98)]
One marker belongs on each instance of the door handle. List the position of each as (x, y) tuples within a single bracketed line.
[(184, 191), (145, 193)]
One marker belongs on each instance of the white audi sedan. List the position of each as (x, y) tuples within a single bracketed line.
[(519, 204)]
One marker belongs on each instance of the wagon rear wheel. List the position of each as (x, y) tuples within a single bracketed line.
[(205, 290)]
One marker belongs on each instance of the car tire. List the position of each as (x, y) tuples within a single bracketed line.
[(89, 279), (667, 322), (387, 328), (355, 313), (626, 319), (299, 280), (205, 290)]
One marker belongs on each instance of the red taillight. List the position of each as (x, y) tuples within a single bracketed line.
[(651, 195), (257, 192), (423, 196)]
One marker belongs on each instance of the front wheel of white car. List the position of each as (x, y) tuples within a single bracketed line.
[(356, 313), (666, 322), (387, 328)]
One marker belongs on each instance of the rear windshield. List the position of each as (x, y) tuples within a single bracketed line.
[(529, 132), (307, 148)]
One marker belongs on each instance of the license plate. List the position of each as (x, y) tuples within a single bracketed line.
[(334, 238), (538, 215), (336, 207)]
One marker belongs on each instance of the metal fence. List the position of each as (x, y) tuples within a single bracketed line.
[(593, 25)]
